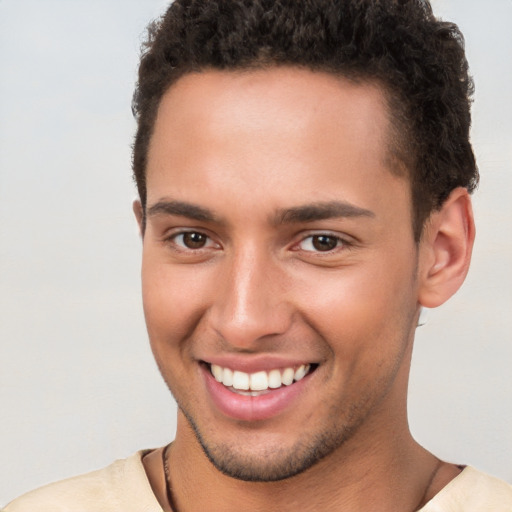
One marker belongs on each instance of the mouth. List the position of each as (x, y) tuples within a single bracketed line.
[(265, 390), (261, 382)]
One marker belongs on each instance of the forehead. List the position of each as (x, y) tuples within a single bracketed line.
[(298, 132), (295, 97)]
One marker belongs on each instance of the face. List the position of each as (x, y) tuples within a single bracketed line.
[(278, 266)]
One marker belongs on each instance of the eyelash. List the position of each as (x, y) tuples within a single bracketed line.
[(341, 243), (172, 240)]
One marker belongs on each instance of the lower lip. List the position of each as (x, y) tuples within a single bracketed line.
[(252, 408)]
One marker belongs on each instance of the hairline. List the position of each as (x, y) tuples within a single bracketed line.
[(398, 158)]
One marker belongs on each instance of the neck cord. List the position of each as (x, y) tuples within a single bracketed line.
[(170, 499), (168, 487), (429, 485)]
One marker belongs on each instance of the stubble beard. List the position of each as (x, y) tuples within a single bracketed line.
[(273, 465)]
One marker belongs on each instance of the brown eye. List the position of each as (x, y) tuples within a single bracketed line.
[(324, 242), (194, 240)]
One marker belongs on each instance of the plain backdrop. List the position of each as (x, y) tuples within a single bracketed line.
[(78, 385)]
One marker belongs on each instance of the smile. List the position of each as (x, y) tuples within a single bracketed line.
[(264, 391), (255, 384)]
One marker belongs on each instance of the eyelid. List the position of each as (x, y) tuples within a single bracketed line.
[(171, 236), (344, 242)]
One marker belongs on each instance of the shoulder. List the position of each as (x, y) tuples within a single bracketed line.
[(472, 491), (121, 486)]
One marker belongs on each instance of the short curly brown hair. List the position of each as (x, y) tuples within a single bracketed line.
[(399, 44)]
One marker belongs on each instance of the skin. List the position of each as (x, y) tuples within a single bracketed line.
[(251, 149)]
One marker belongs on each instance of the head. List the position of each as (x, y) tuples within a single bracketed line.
[(303, 172), (417, 60)]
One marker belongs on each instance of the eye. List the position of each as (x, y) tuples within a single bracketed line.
[(192, 240), (320, 243)]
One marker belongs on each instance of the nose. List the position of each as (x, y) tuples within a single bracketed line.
[(251, 300)]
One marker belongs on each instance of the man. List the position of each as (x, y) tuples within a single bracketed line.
[(304, 172)]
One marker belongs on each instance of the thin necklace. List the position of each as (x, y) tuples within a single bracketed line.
[(422, 503), (170, 499), (168, 487)]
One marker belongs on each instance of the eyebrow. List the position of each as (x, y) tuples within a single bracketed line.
[(182, 209), (321, 211), (304, 213)]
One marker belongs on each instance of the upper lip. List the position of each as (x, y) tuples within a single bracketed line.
[(256, 363)]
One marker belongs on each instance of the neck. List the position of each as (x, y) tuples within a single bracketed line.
[(393, 474), (380, 467)]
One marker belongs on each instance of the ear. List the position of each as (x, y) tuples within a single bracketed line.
[(445, 249), (138, 210)]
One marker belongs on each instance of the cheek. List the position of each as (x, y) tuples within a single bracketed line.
[(168, 299), (361, 310), (174, 299)]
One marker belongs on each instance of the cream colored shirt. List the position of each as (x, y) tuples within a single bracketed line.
[(124, 487)]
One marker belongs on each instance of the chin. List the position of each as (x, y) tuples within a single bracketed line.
[(269, 463)]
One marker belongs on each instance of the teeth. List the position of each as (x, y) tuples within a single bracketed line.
[(274, 379), (288, 376), (217, 372), (227, 377), (300, 372), (259, 381), (240, 380)]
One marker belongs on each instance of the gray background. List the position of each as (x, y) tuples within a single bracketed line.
[(78, 386)]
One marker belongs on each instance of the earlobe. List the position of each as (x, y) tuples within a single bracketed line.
[(139, 215), (445, 249)]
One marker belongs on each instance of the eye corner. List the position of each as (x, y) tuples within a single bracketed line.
[(321, 243), (190, 241)]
